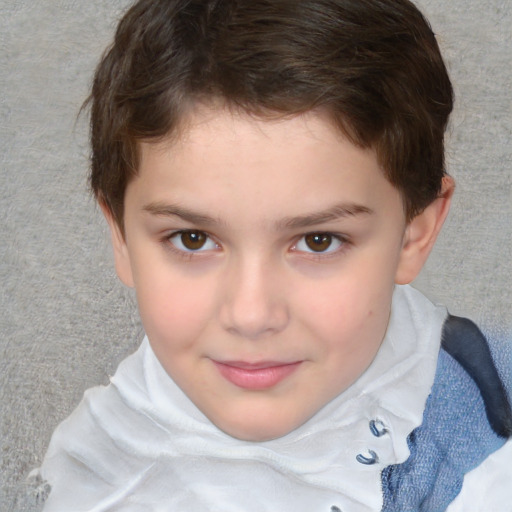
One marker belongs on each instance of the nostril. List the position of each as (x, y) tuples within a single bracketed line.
[(254, 320)]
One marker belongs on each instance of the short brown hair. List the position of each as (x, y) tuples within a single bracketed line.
[(373, 65)]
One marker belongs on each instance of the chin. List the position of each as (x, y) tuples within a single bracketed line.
[(256, 435), (258, 428)]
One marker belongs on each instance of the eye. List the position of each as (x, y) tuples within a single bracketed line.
[(192, 241), (319, 243)]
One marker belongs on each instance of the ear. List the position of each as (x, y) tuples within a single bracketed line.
[(121, 254), (421, 234)]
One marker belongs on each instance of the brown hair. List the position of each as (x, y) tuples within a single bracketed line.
[(373, 65)]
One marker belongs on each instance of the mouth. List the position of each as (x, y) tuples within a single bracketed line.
[(256, 376)]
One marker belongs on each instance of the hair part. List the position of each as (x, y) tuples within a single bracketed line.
[(373, 66)]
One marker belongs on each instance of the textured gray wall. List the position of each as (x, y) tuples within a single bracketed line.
[(65, 322)]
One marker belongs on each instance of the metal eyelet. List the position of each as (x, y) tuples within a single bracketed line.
[(377, 428), (368, 460)]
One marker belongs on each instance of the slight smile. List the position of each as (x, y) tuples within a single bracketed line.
[(257, 376)]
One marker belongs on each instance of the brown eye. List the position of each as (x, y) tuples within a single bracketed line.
[(190, 241), (193, 240), (318, 242)]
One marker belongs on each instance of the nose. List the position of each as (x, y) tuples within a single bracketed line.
[(254, 301)]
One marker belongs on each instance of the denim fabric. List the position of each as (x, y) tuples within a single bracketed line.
[(454, 438)]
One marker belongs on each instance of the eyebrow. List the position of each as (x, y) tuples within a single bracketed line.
[(333, 213), (173, 210)]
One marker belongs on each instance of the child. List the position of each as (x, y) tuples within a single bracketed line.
[(272, 172)]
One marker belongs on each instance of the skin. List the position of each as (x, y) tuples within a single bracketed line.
[(244, 193)]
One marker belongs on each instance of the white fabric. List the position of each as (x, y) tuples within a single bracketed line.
[(140, 444), (488, 487)]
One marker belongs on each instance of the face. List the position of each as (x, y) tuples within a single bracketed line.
[(263, 254)]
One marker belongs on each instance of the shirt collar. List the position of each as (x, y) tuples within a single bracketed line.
[(345, 446)]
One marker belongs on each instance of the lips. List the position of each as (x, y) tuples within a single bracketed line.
[(256, 376)]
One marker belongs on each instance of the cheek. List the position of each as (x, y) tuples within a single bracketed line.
[(350, 315), (353, 294), (174, 310)]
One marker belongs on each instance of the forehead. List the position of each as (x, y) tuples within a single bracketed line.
[(285, 165), (213, 125)]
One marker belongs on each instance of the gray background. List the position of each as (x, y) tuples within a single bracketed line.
[(66, 322)]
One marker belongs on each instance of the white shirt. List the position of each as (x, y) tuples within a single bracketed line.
[(140, 444)]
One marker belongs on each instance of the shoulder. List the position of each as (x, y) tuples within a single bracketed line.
[(487, 487), (94, 452), (463, 341), (467, 418)]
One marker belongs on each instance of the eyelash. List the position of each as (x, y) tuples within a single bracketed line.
[(184, 253), (343, 240)]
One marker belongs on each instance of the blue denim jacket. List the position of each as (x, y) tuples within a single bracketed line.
[(467, 417)]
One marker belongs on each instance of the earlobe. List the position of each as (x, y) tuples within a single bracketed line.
[(421, 234), (120, 249)]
